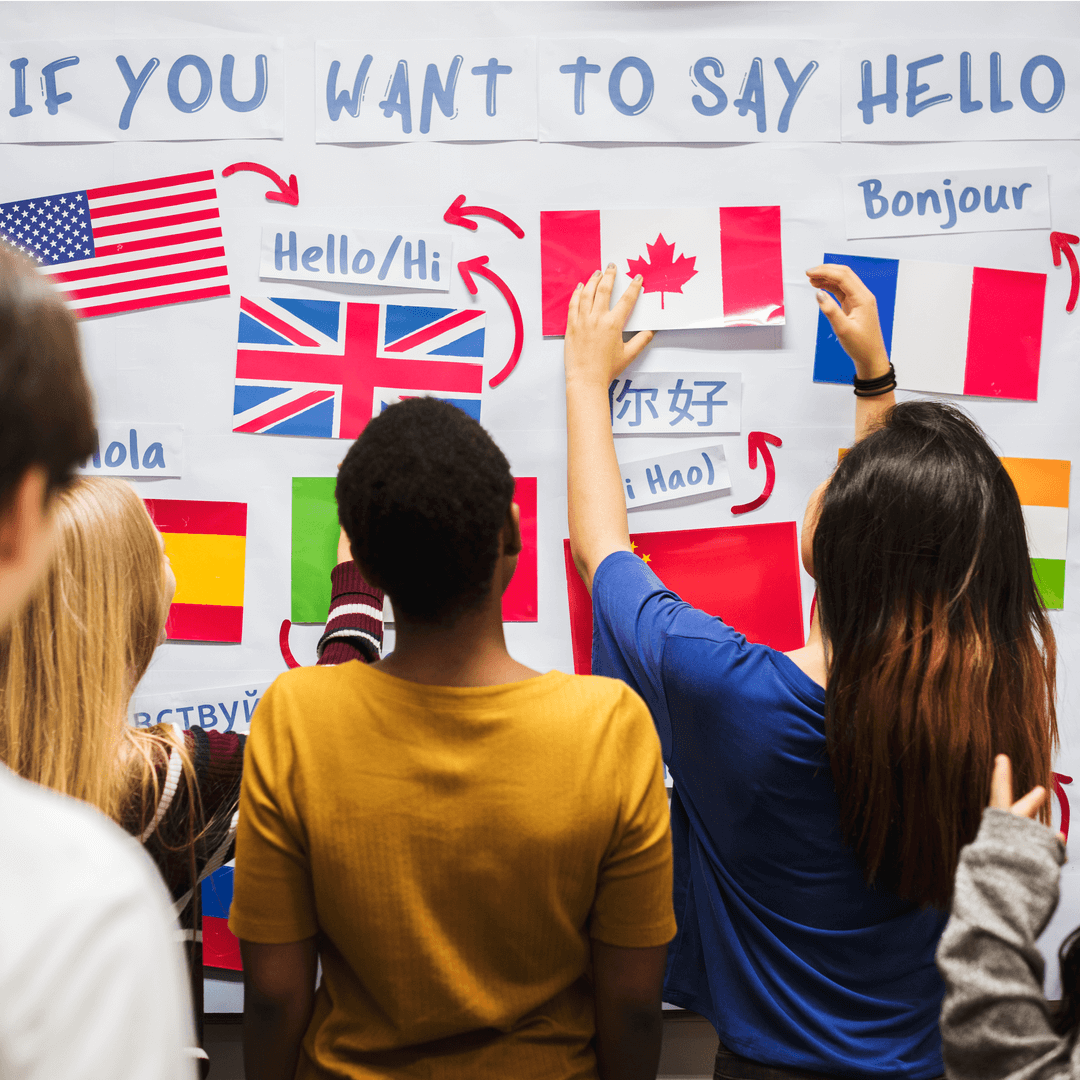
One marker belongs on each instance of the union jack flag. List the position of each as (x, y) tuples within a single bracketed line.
[(324, 368), (125, 246)]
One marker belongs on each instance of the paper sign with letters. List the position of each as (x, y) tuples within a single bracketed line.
[(416, 90), (949, 329), (335, 255), (221, 708), (138, 451), (688, 89), (957, 90), (747, 575), (664, 477), (700, 267), (679, 403), (124, 247), (143, 89), (323, 368), (206, 543), (976, 200)]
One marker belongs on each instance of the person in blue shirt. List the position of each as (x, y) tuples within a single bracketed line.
[(821, 797)]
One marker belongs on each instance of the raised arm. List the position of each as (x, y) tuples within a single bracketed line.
[(857, 327), (594, 354), (996, 1023)]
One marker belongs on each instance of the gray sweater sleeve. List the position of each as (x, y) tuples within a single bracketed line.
[(995, 1021)]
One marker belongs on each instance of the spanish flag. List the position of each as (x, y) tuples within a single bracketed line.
[(1043, 487), (205, 542), (748, 575)]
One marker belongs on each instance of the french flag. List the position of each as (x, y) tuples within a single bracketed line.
[(948, 329), (702, 267)]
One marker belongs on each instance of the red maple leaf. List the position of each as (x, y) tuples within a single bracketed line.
[(661, 272)]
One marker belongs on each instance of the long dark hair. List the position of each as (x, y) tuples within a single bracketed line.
[(940, 654)]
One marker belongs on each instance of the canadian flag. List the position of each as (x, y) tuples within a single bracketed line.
[(701, 267)]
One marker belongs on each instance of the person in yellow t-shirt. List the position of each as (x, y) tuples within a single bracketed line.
[(478, 854)]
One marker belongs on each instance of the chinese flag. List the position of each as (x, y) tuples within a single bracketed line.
[(747, 575)]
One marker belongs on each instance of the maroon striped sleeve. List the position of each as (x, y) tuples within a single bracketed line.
[(354, 628)]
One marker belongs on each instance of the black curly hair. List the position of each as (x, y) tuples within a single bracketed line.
[(423, 495)]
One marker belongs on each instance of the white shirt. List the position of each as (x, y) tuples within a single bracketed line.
[(92, 977)]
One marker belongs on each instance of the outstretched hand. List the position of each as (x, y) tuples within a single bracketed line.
[(1001, 791), (854, 319), (594, 348)]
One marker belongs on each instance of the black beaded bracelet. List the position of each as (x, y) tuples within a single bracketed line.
[(883, 384)]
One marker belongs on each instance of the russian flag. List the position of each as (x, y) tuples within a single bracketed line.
[(702, 267), (221, 949), (948, 329), (1043, 487)]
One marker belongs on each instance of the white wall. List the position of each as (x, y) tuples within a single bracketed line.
[(176, 364)]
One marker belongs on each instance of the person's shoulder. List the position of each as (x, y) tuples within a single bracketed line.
[(47, 838), (603, 700), (302, 682)]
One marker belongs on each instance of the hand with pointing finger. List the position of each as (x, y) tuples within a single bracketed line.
[(853, 315), (1001, 791), (594, 349)]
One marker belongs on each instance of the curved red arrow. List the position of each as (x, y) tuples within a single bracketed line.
[(478, 266), (1059, 791), (287, 193), (759, 440), (455, 215), (283, 643), (1059, 242)]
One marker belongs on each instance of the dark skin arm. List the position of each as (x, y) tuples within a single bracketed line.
[(628, 984), (279, 992)]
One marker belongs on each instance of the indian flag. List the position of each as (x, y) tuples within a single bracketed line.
[(205, 542), (1043, 487)]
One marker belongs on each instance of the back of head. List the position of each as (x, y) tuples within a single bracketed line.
[(423, 495), (70, 660), (45, 413), (940, 652)]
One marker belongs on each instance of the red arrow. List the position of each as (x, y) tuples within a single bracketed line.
[(283, 644), (1059, 242), (287, 193), (478, 266), (759, 440), (1059, 791), (455, 215)]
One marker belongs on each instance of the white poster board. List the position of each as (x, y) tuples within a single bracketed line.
[(176, 365)]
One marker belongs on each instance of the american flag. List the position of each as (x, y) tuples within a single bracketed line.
[(323, 368), (125, 246)]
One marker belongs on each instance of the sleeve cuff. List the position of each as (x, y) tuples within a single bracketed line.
[(354, 627), (346, 579)]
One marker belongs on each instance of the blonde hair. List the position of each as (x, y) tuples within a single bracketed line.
[(69, 664)]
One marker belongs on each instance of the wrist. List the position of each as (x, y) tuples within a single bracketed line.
[(873, 366), (587, 381)]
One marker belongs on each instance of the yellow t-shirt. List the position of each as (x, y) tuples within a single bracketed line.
[(454, 849)]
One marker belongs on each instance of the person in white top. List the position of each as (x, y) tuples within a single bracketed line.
[(91, 974)]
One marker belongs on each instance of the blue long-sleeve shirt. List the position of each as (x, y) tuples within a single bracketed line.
[(781, 943)]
